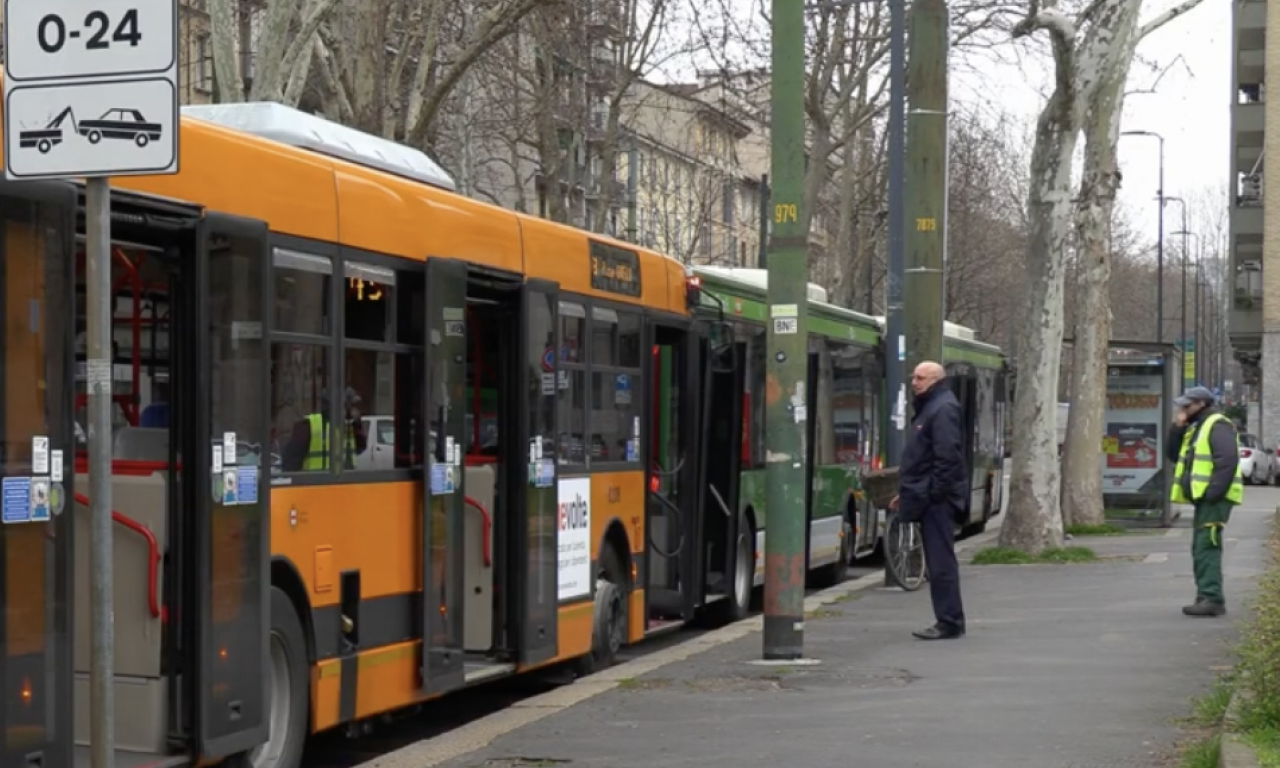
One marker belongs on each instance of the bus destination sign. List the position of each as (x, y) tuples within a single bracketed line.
[(614, 269)]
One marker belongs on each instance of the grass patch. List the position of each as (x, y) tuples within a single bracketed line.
[(1128, 514), (1209, 709), (1202, 753), (1266, 744), (1097, 529), (1007, 556), (1252, 681)]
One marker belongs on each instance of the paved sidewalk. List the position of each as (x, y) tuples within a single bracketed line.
[(1076, 666)]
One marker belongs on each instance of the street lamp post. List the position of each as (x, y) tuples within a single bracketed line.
[(1182, 312), (1159, 236), (1196, 315)]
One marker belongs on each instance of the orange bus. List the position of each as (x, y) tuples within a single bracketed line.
[(373, 442)]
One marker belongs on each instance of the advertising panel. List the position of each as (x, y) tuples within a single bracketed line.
[(1132, 443)]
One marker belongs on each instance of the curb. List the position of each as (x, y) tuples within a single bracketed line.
[(480, 733), (1233, 750)]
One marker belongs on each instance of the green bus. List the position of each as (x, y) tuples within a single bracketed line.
[(846, 423)]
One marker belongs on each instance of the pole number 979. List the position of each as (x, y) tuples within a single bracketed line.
[(53, 31)]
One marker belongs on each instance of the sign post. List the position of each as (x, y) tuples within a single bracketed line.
[(90, 91)]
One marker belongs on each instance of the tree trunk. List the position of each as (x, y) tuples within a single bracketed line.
[(1034, 522), (1100, 179), (1082, 481)]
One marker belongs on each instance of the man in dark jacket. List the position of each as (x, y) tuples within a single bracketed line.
[(1205, 456), (933, 485)]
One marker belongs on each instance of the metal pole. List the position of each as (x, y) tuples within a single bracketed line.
[(895, 342), (926, 182), (98, 370), (762, 254), (1160, 252), (633, 170), (786, 414), (1194, 350)]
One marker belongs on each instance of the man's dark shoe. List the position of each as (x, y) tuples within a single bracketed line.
[(1204, 608), (938, 633)]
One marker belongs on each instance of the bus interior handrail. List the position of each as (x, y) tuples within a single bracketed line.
[(153, 556), (485, 524)]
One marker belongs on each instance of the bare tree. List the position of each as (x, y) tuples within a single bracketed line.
[(985, 274), (386, 67), (239, 29), (1092, 49), (1082, 486)]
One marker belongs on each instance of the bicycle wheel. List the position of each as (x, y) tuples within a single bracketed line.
[(904, 554)]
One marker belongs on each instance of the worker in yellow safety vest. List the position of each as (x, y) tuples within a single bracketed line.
[(308, 448), (1204, 451)]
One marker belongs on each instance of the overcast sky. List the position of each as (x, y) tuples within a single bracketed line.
[(1190, 107)]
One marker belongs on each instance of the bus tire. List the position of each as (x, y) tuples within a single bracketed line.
[(743, 582), (608, 616), (287, 656)]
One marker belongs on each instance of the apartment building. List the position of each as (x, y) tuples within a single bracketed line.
[(1254, 321)]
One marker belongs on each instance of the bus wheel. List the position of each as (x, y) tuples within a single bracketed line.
[(744, 570), (838, 571), (287, 690), (609, 616)]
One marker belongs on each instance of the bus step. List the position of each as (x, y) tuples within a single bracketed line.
[(665, 602), (125, 759), (662, 626)]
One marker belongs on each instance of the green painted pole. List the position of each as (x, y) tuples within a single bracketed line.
[(926, 181), (786, 409)]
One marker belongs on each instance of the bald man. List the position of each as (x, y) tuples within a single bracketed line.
[(933, 490)]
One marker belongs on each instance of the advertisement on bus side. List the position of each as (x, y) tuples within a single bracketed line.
[(573, 516)]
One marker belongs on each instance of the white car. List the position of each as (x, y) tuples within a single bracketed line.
[(1257, 464)]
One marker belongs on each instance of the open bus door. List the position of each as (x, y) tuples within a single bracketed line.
[(444, 498), (725, 441), (227, 461), (37, 227), (538, 519)]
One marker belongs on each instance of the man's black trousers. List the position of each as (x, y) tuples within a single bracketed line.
[(937, 525)]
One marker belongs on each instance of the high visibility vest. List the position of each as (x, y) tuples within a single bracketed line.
[(1199, 457), (318, 449)]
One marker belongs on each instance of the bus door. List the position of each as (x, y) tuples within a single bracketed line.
[(37, 235), (721, 447), (537, 514), (227, 462), (443, 504), (674, 562)]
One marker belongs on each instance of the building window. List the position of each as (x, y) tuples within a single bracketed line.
[(203, 65)]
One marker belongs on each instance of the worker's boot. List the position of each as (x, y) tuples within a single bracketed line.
[(1203, 607)]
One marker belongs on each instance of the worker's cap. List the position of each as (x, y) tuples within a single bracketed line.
[(1195, 395)]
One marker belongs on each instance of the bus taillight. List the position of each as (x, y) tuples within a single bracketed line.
[(693, 290), (25, 693)]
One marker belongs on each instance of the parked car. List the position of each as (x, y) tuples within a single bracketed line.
[(1257, 464)]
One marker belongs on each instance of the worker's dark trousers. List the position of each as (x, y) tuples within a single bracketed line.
[(938, 528)]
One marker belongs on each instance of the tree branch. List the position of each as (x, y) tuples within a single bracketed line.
[(1166, 17), (496, 25)]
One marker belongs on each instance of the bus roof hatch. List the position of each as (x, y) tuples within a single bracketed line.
[(296, 128)]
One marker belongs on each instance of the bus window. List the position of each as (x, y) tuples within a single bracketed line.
[(616, 403), (299, 399), (302, 292), (572, 404)]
